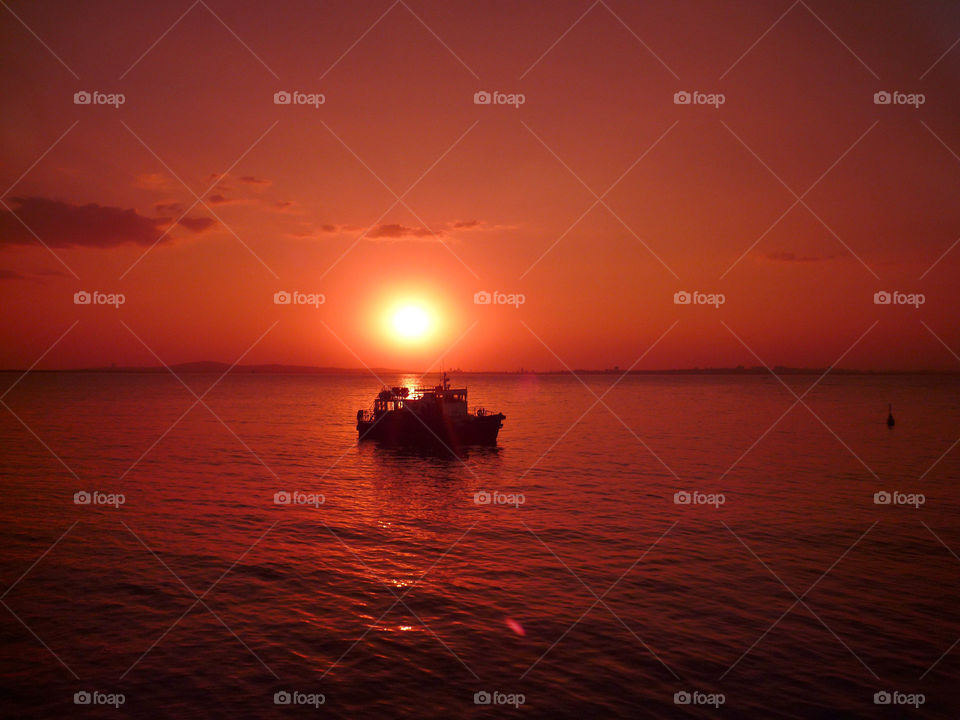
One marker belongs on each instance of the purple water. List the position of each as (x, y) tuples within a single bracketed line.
[(400, 596)]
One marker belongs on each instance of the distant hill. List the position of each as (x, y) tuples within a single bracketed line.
[(214, 367)]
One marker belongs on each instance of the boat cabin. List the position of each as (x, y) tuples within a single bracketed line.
[(440, 399)]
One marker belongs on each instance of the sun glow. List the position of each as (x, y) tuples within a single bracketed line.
[(411, 322)]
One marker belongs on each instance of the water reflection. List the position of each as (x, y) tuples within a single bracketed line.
[(416, 484), (388, 454)]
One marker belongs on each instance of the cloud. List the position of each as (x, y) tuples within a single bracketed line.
[(479, 226), (403, 232), (14, 275), (251, 180), (152, 181), (198, 224), (221, 199), (331, 229), (311, 232), (218, 181), (397, 232), (63, 225), (169, 208), (789, 257), (389, 231)]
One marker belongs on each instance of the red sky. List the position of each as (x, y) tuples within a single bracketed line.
[(296, 197)]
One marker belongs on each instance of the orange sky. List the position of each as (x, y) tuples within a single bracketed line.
[(501, 198)]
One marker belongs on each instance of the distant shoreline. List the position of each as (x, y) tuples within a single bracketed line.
[(274, 369)]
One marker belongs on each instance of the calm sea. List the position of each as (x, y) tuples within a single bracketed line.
[(783, 588)]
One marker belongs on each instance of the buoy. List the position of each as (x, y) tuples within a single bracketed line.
[(890, 420)]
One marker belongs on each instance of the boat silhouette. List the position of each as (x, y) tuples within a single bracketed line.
[(428, 416)]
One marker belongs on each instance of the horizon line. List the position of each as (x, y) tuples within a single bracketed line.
[(292, 369)]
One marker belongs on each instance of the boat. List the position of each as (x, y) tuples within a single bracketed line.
[(428, 416)]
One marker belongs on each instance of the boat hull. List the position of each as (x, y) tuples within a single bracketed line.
[(401, 427)]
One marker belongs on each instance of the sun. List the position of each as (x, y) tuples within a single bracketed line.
[(411, 322)]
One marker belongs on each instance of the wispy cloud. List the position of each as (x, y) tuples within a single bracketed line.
[(394, 231), (65, 225), (397, 232), (6, 274), (198, 224)]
